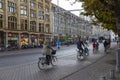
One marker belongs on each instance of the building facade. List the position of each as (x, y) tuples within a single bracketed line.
[(24, 22), (67, 24)]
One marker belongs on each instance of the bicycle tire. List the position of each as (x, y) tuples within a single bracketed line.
[(41, 64), (54, 60), (80, 56)]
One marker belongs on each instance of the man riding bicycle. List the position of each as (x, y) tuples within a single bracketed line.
[(80, 45), (47, 51)]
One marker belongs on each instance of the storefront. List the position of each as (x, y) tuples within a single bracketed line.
[(2, 43), (12, 39), (24, 39)]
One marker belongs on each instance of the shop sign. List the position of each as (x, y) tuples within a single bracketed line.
[(9, 34), (22, 35)]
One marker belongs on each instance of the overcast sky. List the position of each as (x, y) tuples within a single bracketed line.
[(68, 5)]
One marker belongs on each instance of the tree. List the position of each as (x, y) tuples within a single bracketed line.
[(106, 12)]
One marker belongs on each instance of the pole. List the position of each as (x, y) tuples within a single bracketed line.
[(58, 26)]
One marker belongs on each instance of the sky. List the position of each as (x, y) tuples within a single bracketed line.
[(67, 5)]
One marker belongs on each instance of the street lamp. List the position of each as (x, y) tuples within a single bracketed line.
[(58, 42)]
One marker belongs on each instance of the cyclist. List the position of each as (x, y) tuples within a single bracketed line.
[(94, 46), (48, 52), (80, 45)]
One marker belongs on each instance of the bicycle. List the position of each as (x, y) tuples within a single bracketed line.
[(81, 55), (42, 63)]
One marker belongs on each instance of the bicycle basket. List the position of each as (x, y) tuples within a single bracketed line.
[(53, 52)]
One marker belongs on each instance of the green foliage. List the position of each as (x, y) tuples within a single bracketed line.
[(104, 12)]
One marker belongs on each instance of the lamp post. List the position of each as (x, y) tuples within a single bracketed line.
[(58, 39)]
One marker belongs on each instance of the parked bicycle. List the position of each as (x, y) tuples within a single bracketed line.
[(42, 63)]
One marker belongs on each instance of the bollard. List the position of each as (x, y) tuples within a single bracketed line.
[(112, 74), (102, 78)]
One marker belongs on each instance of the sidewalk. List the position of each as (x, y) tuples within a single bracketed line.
[(97, 70), (83, 70)]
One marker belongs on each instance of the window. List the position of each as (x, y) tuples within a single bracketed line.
[(33, 13), (46, 9), (11, 6), (41, 15), (41, 27), (47, 18), (32, 26), (32, 4), (47, 28), (40, 6), (1, 21), (12, 23), (23, 10), (46, 1), (23, 0), (1, 4), (24, 24)]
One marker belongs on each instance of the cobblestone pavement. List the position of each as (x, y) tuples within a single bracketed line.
[(68, 68)]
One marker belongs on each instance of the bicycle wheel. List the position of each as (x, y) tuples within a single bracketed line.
[(80, 56), (54, 60), (86, 52), (42, 63)]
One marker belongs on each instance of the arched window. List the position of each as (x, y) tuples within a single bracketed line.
[(1, 21), (32, 26), (24, 24), (12, 23), (41, 27)]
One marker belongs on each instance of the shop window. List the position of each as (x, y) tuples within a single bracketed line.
[(1, 21), (12, 23)]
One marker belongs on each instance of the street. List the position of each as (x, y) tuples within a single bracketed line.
[(7, 61), (24, 67)]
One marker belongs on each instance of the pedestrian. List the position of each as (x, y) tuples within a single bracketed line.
[(97, 45), (105, 45), (117, 42)]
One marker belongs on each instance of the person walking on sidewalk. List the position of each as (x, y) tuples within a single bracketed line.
[(106, 45), (97, 45)]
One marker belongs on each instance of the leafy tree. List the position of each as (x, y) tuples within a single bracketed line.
[(106, 12)]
